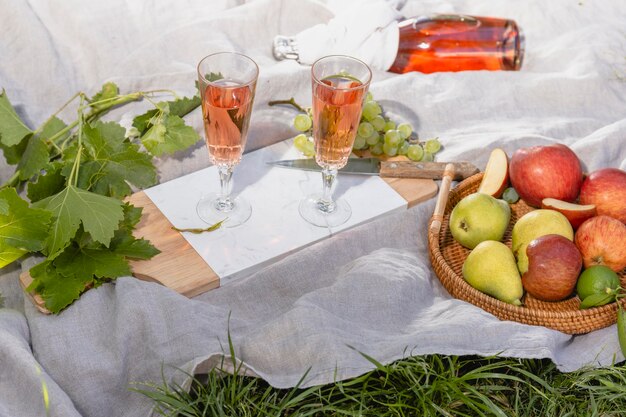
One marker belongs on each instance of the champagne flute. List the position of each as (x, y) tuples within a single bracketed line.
[(227, 81), (340, 85)]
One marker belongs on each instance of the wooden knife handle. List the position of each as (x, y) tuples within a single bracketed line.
[(431, 170), (442, 199)]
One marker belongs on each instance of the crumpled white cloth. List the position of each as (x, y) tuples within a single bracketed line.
[(371, 287), (368, 31)]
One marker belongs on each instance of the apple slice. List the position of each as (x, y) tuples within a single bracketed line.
[(496, 177), (575, 213)]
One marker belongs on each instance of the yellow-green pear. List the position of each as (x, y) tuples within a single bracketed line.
[(535, 224), (491, 268), (479, 217)]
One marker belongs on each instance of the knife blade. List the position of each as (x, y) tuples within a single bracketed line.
[(391, 169)]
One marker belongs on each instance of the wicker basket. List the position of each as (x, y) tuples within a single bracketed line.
[(447, 257)]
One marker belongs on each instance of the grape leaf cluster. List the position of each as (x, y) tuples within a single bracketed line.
[(376, 133), (75, 177)]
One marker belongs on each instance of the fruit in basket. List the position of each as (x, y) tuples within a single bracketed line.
[(540, 172), (602, 241), (597, 286), (510, 195), (490, 268), (554, 264), (575, 213), (479, 217), (535, 224), (606, 188), (496, 177)]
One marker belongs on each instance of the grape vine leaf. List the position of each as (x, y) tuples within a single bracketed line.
[(169, 135), (100, 216), (22, 227), (4, 206), (13, 154), (58, 291), (87, 263), (108, 92), (35, 158), (124, 243), (131, 247), (49, 183), (9, 254), (12, 129), (112, 162), (180, 108), (53, 127)]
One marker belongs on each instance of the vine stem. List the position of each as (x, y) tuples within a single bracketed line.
[(291, 102), (40, 128), (11, 182), (73, 178)]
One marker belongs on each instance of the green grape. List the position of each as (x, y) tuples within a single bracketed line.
[(432, 146), (369, 96), (415, 152), (300, 141), (392, 137), (379, 123), (371, 109), (302, 122), (373, 139), (405, 130), (389, 125), (365, 129), (404, 148), (428, 157), (390, 150), (377, 149), (510, 195), (359, 142), (309, 149)]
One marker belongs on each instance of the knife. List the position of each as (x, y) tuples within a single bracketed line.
[(393, 169)]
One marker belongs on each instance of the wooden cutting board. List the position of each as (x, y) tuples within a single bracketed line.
[(181, 268)]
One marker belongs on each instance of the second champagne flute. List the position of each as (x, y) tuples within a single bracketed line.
[(340, 84), (227, 82)]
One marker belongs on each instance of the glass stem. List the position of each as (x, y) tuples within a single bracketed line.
[(224, 203), (326, 203)]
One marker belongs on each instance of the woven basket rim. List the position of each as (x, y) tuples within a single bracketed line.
[(569, 321)]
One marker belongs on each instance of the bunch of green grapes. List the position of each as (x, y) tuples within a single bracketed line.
[(376, 133)]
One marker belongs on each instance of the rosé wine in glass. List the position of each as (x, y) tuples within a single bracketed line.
[(336, 116), (226, 108), (340, 84), (227, 82)]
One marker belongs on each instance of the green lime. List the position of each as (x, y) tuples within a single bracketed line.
[(597, 279)]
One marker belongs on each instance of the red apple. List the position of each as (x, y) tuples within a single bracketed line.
[(554, 263), (606, 188), (496, 177), (602, 241), (541, 172), (575, 213)]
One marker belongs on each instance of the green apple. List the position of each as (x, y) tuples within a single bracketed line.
[(535, 224), (479, 217), (491, 268)]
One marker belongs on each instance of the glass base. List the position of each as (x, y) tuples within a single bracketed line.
[(211, 211), (314, 211)]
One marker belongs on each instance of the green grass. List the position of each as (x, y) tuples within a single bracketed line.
[(432, 385)]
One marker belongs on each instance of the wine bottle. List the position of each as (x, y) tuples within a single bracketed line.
[(445, 42)]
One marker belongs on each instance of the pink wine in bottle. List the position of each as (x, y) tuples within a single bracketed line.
[(458, 43)]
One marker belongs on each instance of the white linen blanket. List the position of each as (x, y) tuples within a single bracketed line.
[(371, 287)]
